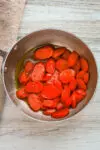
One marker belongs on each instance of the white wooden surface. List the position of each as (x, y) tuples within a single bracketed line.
[(82, 17)]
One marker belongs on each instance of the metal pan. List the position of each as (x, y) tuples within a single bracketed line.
[(34, 39)]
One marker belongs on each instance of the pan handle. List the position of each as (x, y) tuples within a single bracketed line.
[(3, 54)]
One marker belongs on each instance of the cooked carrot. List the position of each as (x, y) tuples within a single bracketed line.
[(23, 78), (50, 66), (60, 113), (72, 59), (43, 52), (21, 93), (47, 77), (66, 54), (73, 84), (61, 64), (34, 87), (59, 106), (58, 52), (50, 91), (80, 74), (34, 102), (81, 84), (49, 111), (77, 66), (38, 72), (65, 93), (67, 75), (29, 66), (84, 64), (86, 77)]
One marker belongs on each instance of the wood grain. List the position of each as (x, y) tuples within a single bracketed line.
[(81, 131)]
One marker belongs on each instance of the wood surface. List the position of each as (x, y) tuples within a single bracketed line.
[(81, 132)]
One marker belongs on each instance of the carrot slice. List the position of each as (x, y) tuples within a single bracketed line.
[(49, 111), (72, 59), (60, 113), (73, 84), (61, 64), (67, 75), (81, 84), (23, 78), (38, 72), (66, 54), (77, 66), (59, 106), (43, 52), (80, 74), (47, 77), (29, 66), (50, 66), (84, 64), (73, 100), (55, 77), (68, 102), (58, 52), (50, 91), (65, 93), (34, 102), (86, 77), (21, 93), (34, 87)]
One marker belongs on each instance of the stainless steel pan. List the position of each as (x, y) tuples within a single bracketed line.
[(34, 39)]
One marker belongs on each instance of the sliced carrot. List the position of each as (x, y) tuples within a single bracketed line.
[(81, 92), (34, 87), (29, 66), (72, 59), (58, 84), (68, 102), (59, 106), (55, 77), (65, 93), (81, 84), (66, 54), (73, 84), (50, 91), (21, 93), (49, 111), (84, 64), (77, 66), (23, 78), (47, 77), (61, 64), (34, 102), (58, 52), (38, 72), (86, 77), (67, 75), (60, 113), (50, 66), (43, 52), (80, 74), (73, 100)]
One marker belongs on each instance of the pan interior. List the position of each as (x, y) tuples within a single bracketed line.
[(55, 37)]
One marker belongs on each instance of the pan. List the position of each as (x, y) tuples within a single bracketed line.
[(52, 36)]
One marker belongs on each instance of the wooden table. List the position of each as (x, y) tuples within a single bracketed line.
[(82, 131)]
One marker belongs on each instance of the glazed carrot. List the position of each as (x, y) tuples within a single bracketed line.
[(77, 66), (66, 54), (65, 94), (81, 84), (58, 84), (61, 64), (50, 66), (23, 78), (67, 75), (80, 74), (49, 111), (73, 84), (60, 113), (68, 102), (21, 93), (34, 102), (84, 64), (38, 72), (59, 106), (58, 52), (34, 87), (29, 66), (50, 103), (55, 77), (43, 52), (72, 59), (50, 91), (47, 77), (86, 77)]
